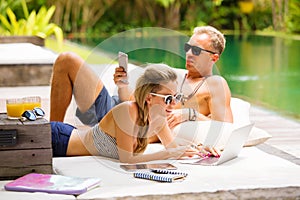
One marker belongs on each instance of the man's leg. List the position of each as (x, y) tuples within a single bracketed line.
[(72, 76)]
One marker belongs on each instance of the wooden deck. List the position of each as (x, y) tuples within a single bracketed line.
[(284, 130)]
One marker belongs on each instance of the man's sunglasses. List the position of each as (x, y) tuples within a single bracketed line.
[(195, 50), (32, 115), (169, 98)]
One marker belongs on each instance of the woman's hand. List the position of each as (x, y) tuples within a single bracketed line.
[(182, 151), (209, 150)]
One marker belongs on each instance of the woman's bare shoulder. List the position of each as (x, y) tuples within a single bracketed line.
[(125, 109)]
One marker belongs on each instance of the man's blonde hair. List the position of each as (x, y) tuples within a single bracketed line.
[(217, 38)]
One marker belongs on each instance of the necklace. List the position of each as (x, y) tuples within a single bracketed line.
[(185, 98)]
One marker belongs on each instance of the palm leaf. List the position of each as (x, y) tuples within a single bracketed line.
[(59, 36), (13, 21), (25, 9), (22, 28), (49, 14), (5, 22), (30, 23), (40, 16), (41, 34)]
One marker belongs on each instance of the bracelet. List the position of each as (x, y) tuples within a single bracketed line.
[(192, 117)]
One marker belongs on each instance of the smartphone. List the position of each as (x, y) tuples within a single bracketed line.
[(134, 167), (123, 60)]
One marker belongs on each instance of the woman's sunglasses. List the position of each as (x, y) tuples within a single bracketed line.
[(195, 50), (169, 98), (32, 115)]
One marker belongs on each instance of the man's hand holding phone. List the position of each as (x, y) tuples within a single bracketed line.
[(120, 76)]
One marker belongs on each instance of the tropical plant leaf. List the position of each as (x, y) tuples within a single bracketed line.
[(59, 36), (30, 23), (49, 14), (35, 23), (41, 34), (49, 29), (5, 22), (40, 16), (25, 9), (22, 28), (12, 19)]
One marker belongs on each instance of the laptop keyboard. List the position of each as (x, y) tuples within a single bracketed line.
[(208, 161)]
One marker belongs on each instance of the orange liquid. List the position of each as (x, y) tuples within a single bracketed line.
[(31, 105), (15, 110)]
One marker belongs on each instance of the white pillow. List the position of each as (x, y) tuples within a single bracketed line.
[(197, 131), (240, 111)]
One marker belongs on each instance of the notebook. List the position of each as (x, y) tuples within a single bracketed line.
[(231, 150), (52, 183), (161, 175)]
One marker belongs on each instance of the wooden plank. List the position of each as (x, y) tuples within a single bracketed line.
[(25, 74), (21, 39), (285, 131), (30, 137), (15, 172), (23, 158), (30, 134)]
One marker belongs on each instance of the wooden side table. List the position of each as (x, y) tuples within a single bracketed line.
[(25, 147)]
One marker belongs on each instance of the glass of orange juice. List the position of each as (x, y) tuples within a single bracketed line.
[(14, 108), (31, 102)]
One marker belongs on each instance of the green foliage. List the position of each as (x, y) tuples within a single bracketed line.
[(106, 17), (34, 24), (165, 3), (293, 20), (261, 17), (4, 4)]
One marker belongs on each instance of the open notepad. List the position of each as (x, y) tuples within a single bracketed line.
[(161, 175), (52, 183)]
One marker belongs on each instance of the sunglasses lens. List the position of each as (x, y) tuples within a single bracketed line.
[(168, 99), (29, 115), (187, 47), (39, 112), (178, 98), (196, 51)]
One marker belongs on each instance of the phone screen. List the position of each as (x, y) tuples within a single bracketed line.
[(123, 60), (134, 167)]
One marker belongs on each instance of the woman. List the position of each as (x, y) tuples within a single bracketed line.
[(124, 131)]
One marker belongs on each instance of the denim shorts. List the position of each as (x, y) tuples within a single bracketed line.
[(61, 133), (98, 110)]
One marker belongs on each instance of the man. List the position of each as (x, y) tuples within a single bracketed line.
[(204, 96), (202, 91)]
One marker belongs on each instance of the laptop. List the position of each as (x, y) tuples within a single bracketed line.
[(231, 150)]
